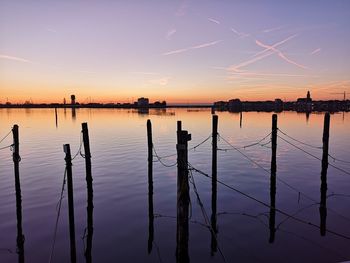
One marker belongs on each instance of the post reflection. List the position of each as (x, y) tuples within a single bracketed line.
[(74, 115)]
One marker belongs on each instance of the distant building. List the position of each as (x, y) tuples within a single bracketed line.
[(220, 105), (235, 105), (278, 105), (142, 102), (72, 98), (304, 104)]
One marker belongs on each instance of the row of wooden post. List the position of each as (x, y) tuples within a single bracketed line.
[(183, 187), (89, 229), (183, 197)]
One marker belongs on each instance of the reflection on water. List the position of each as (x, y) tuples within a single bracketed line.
[(119, 215)]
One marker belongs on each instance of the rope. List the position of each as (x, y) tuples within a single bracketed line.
[(301, 142), (199, 144), (5, 147), (58, 208), (204, 213), (314, 156), (338, 160), (190, 149), (5, 136), (80, 147), (268, 171), (160, 159), (251, 144), (267, 205)]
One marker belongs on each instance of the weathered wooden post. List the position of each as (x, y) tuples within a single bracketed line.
[(16, 159), (90, 203), (272, 218), (183, 197), (56, 117), (68, 160), (323, 204), (179, 129), (214, 183), (150, 188)]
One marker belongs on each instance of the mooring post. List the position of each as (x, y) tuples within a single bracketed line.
[(213, 110), (150, 188), (90, 204), (272, 218), (214, 183), (68, 159), (325, 147), (16, 159), (183, 197)]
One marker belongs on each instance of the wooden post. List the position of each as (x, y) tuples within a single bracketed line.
[(213, 110), (183, 197), (150, 188), (272, 218), (56, 117), (214, 183), (179, 129), (323, 205), (68, 160), (90, 204), (16, 159)]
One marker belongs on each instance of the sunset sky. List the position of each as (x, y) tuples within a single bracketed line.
[(178, 51)]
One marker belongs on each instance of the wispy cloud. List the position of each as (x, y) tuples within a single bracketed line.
[(239, 34), (144, 73), (170, 33), (50, 29), (15, 58), (191, 48), (182, 10), (315, 51), (268, 30), (161, 81), (214, 21), (280, 54)]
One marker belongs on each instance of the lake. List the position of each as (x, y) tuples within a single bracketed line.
[(246, 229)]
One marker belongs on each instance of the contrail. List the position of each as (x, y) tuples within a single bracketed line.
[(280, 54), (214, 21), (315, 51), (15, 58), (190, 48), (275, 45)]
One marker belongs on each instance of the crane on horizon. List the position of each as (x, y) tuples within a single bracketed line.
[(340, 93)]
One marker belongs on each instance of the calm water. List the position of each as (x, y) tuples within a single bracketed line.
[(119, 166)]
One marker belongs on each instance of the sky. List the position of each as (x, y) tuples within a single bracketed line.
[(182, 51)]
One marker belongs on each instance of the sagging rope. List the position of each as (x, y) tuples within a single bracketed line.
[(58, 208), (80, 147), (284, 182), (338, 160), (267, 205), (6, 136), (190, 149), (250, 144), (301, 142), (314, 156), (204, 213)]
